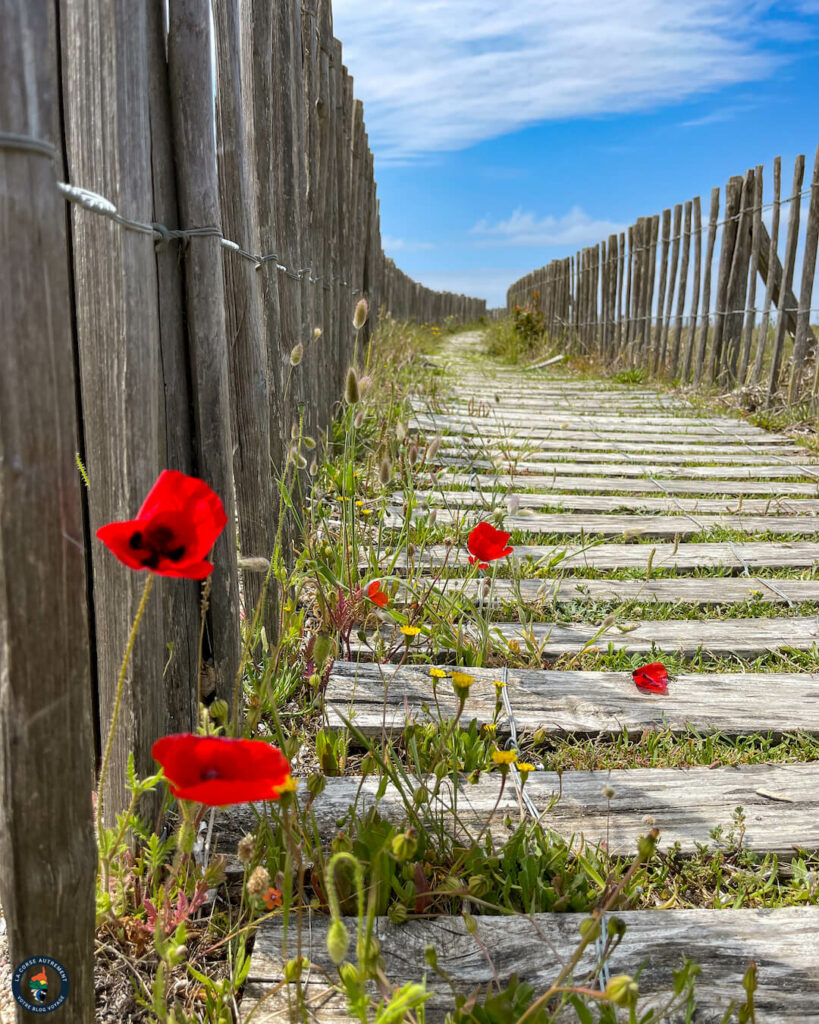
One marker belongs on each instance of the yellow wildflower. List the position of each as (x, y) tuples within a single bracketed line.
[(359, 501), (366, 511), (504, 756), (437, 673), (288, 786), (500, 684), (525, 767), (462, 681), (410, 630)]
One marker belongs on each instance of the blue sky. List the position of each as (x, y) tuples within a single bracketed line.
[(507, 133)]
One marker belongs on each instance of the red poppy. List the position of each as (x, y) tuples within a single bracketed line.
[(486, 544), (219, 770), (652, 677), (377, 595), (176, 527)]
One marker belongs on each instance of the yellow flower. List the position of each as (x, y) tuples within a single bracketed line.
[(504, 756), (462, 681), (359, 501), (500, 684), (289, 786), (410, 630), (489, 727), (437, 673), (366, 511), (525, 767)]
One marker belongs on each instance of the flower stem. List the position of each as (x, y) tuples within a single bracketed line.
[(118, 699)]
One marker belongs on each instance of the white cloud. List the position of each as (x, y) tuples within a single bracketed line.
[(444, 74), (391, 245), (574, 228)]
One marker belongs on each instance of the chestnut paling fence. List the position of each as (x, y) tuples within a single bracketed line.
[(163, 256), (724, 301)]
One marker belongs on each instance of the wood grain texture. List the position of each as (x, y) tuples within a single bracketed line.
[(46, 728), (563, 703), (555, 484), (771, 471), (724, 942)]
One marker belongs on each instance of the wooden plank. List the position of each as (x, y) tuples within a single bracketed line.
[(735, 509), (108, 147), (769, 259), (523, 467), (680, 450), (781, 804), (500, 448), (706, 289), (800, 344), (695, 292), (377, 697), (772, 554), (791, 243), (191, 85), (733, 193), (555, 484), (46, 717), (723, 942), (750, 304), (738, 281), (569, 426), (681, 292), (743, 638), (573, 524)]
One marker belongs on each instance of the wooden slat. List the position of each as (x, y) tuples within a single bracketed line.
[(780, 801), (731, 508), (374, 698), (774, 554), (742, 638), (573, 524), (502, 439), (694, 590), (773, 471), (555, 484), (532, 452), (723, 942)]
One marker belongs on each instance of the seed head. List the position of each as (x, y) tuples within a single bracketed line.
[(400, 431), (362, 311), (294, 432), (609, 792), (316, 333), (359, 419), (352, 394), (513, 504), (365, 383), (434, 445), (385, 471), (413, 454), (247, 844), (308, 442), (296, 354), (259, 881), (314, 466)]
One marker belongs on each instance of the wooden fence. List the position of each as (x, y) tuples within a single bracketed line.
[(151, 326), (712, 302)]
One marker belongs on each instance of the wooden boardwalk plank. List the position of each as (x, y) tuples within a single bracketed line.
[(530, 454), (562, 703), (686, 557), (664, 527), (780, 801), (731, 509), (723, 942), (503, 440), (558, 483), (745, 638), (693, 590), (771, 471)]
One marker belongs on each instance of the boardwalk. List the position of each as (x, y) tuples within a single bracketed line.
[(642, 504)]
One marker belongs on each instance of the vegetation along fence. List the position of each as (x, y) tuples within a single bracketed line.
[(165, 316), (712, 302)]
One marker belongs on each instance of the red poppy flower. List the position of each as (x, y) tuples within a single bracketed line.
[(652, 677), (377, 595), (176, 527), (219, 770), (486, 544)]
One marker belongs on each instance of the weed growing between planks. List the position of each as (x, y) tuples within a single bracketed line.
[(182, 920)]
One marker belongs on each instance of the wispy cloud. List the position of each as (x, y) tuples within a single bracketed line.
[(719, 116), (523, 228), (443, 74), (390, 244)]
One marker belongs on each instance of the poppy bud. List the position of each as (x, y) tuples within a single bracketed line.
[(322, 646), (616, 927), (296, 354), (589, 928), (431, 956), (219, 711), (308, 442), (361, 312), (622, 990), (349, 974), (404, 845), (315, 680), (608, 792), (397, 913), (338, 939), (479, 886), (385, 471), (301, 462), (351, 391), (293, 969)]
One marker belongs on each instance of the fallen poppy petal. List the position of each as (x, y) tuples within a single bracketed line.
[(220, 770), (653, 677)]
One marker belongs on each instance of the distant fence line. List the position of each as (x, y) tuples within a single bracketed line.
[(148, 323), (625, 299)]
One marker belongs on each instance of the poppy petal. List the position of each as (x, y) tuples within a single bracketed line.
[(653, 677)]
